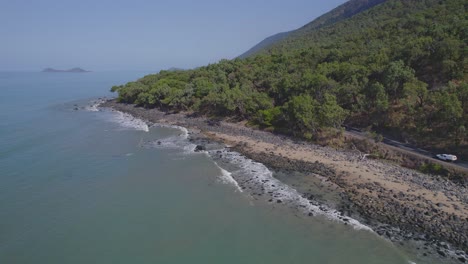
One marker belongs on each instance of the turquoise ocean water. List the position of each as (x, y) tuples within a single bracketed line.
[(81, 186)]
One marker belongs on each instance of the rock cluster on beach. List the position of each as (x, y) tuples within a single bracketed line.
[(399, 204)]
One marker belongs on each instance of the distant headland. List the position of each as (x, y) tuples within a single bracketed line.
[(69, 70)]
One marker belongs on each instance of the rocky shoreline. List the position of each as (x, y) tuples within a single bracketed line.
[(404, 206)]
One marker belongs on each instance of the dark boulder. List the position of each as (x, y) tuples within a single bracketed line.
[(441, 252), (199, 148)]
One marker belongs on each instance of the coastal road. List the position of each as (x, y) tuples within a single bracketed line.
[(408, 147)]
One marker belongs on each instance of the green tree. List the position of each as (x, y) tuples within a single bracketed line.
[(395, 76), (376, 97), (329, 113), (416, 90), (301, 114)]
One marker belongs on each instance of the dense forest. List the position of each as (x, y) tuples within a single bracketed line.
[(397, 68)]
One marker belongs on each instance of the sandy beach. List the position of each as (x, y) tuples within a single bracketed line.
[(397, 203)]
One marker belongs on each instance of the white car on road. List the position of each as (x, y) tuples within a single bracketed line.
[(446, 157)]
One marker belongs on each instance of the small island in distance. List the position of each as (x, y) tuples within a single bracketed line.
[(69, 70)]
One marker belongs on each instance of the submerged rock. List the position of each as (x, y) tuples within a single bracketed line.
[(199, 148)]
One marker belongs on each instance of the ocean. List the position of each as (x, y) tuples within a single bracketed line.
[(79, 184)]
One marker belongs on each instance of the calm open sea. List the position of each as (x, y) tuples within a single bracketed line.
[(84, 186)]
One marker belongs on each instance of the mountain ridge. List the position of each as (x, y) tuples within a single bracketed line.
[(265, 44)]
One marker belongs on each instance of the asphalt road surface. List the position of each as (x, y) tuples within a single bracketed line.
[(407, 147)]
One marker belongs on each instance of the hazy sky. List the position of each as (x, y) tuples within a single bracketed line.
[(141, 35)]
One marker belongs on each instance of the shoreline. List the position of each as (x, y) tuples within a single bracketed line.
[(398, 204)]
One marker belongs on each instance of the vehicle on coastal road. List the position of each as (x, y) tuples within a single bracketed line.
[(446, 157), (408, 147)]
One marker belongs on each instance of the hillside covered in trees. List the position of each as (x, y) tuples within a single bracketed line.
[(398, 67), (342, 12)]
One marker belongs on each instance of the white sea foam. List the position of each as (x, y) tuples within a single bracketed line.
[(94, 106), (173, 142), (129, 122), (181, 142), (184, 130), (226, 177), (262, 178)]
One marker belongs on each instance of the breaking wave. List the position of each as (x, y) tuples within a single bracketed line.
[(129, 122), (94, 106), (173, 142), (226, 177), (179, 141), (184, 130), (260, 179)]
